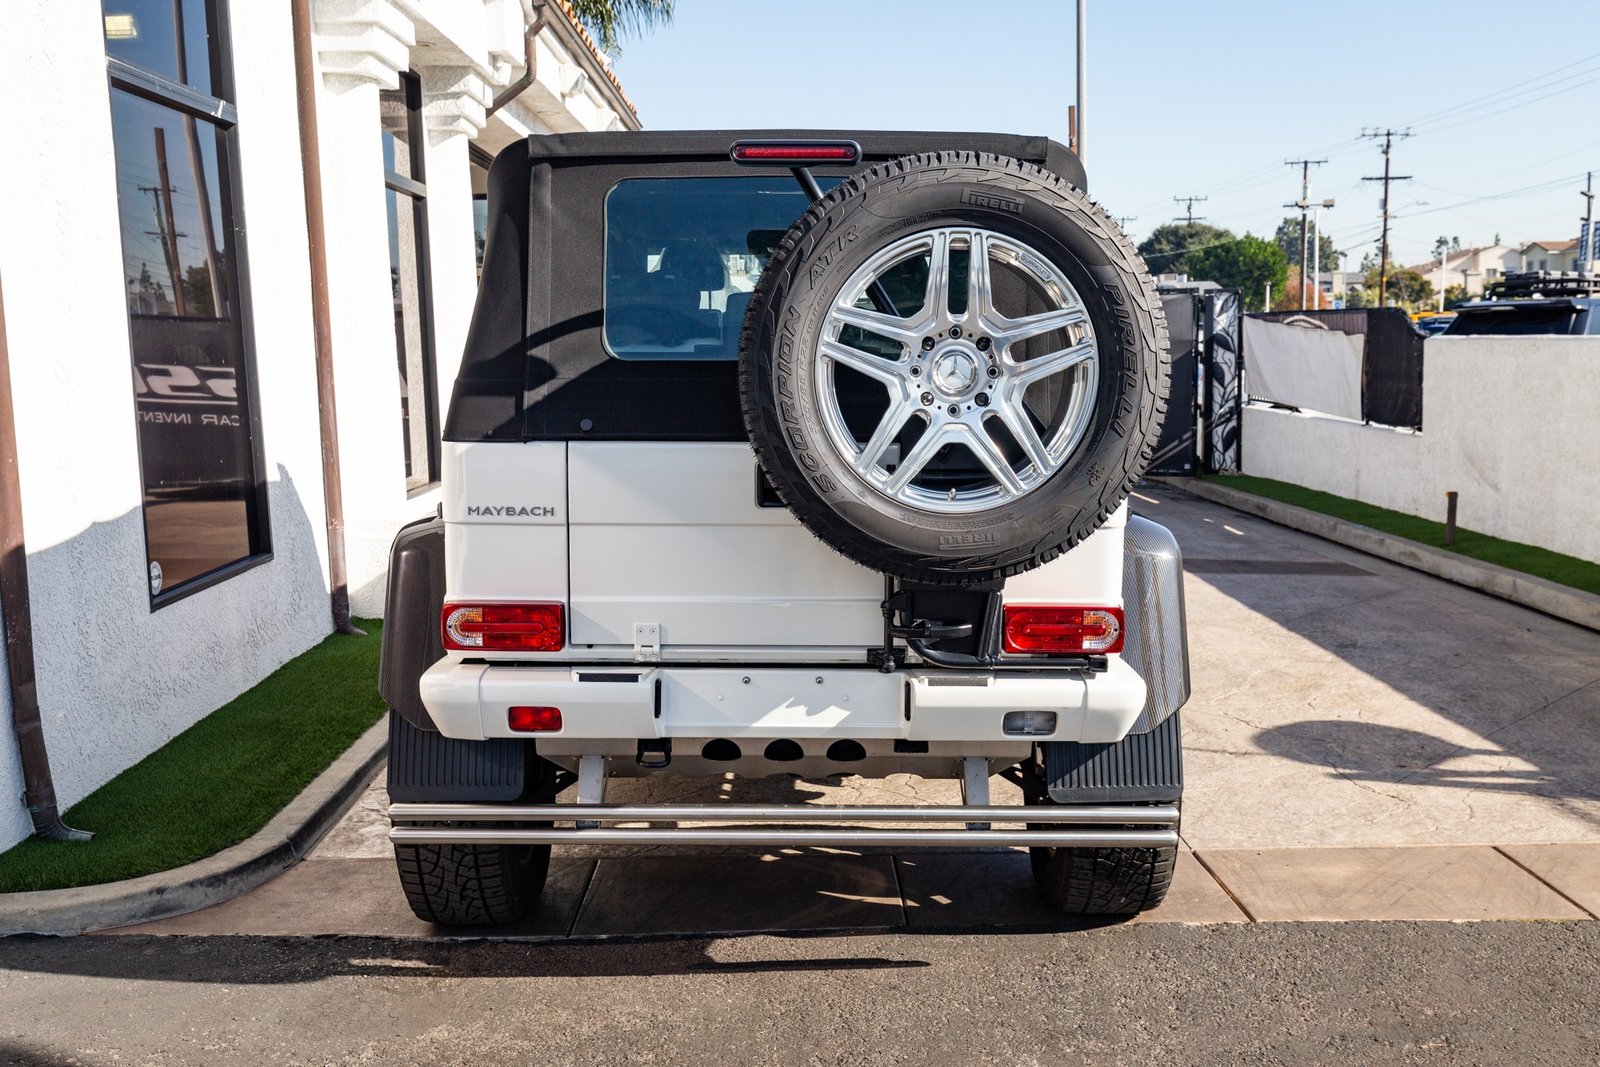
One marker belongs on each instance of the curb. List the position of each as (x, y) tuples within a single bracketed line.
[(1563, 602), (273, 849)]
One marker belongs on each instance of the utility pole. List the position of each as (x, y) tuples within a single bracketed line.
[(1303, 204), (1189, 202), (1123, 220), (1316, 250), (165, 223), (1083, 81), (1388, 136), (1444, 254), (1586, 250)]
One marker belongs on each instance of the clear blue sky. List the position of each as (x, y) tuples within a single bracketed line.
[(1185, 98)]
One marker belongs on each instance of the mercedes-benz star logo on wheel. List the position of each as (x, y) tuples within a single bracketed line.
[(954, 372)]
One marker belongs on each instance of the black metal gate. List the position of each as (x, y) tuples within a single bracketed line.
[(1178, 450), (1205, 404)]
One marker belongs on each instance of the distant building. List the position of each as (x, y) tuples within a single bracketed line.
[(1550, 255), (1473, 267)]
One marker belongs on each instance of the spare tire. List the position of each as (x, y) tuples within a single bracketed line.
[(954, 367)]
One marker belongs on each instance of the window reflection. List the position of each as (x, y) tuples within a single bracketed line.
[(201, 502), (173, 38), (173, 236), (405, 275)]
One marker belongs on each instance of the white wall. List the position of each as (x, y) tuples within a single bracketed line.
[(116, 679), (1510, 423)]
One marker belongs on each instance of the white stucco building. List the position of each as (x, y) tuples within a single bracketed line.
[(155, 271)]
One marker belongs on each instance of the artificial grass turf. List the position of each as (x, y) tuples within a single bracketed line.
[(219, 781), (1539, 562)]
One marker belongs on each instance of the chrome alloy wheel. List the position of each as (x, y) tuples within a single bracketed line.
[(1009, 376)]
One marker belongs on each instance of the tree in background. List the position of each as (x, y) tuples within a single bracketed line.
[(1169, 249), (1247, 263), (1288, 239), (608, 21), (1358, 296), (1407, 289), (1456, 294), (1289, 299)]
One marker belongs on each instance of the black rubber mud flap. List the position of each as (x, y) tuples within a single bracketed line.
[(1141, 768), (426, 767)]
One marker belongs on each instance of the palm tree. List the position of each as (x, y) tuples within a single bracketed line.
[(610, 20)]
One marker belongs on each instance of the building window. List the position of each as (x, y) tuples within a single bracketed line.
[(409, 278), (173, 129), (480, 160)]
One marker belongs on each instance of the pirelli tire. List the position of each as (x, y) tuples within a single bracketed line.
[(946, 485)]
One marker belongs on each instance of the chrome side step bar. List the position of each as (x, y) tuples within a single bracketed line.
[(1080, 827)]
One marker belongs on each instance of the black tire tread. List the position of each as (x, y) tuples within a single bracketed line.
[(472, 885), (1103, 881), (1148, 320)]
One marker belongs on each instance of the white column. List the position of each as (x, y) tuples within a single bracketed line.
[(454, 102), (362, 47)]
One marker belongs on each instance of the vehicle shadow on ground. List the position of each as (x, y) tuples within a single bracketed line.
[(249, 960), (1373, 752), (16, 1054), (1451, 688)]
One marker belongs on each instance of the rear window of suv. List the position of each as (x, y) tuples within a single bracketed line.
[(1533, 318), (684, 254)]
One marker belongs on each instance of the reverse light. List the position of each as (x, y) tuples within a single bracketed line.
[(503, 627), (794, 153), (1032, 628), (533, 720), (1028, 723)]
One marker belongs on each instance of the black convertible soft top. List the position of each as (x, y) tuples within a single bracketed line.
[(535, 367)]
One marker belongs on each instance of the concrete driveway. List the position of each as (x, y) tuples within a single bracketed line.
[(1363, 742)]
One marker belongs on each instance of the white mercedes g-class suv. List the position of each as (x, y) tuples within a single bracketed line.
[(800, 453)]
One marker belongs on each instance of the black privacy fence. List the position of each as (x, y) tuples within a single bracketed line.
[(1391, 364)]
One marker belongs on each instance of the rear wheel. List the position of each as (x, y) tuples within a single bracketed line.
[(472, 885), (480, 885), (1101, 881)]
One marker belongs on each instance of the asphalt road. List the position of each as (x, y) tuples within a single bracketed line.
[(1354, 993)]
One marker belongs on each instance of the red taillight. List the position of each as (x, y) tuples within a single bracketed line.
[(503, 627), (533, 720), (794, 153), (1051, 629)]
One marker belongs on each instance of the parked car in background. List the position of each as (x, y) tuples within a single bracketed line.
[(1535, 302), (1431, 324)]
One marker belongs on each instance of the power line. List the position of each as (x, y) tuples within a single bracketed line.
[(1513, 107), (1510, 194), (1189, 202), (1383, 254), (1500, 95)]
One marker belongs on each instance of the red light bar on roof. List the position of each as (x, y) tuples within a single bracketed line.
[(794, 153)]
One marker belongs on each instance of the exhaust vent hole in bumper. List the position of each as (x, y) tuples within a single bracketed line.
[(846, 751), (784, 751), (721, 750)]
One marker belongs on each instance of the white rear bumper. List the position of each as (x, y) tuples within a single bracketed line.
[(470, 702)]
